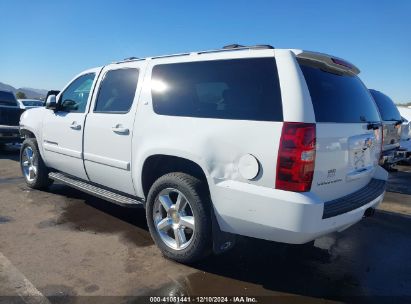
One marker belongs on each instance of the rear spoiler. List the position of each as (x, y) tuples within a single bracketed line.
[(330, 61)]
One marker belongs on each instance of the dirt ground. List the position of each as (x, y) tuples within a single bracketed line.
[(70, 247)]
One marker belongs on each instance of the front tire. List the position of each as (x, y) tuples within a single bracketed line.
[(178, 217), (32, 165)]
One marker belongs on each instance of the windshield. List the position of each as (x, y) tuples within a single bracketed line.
[(386, 106), (340, 98), (7, 99)]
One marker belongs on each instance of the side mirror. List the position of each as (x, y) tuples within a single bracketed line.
[(51, 102)]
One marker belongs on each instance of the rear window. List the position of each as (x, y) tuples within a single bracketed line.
[(386, 106), (7, 99), (339, 98), (246, 89)]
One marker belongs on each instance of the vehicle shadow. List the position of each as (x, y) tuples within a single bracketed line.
[(400, 181), (11, 152), (83, 215), (365, 263)]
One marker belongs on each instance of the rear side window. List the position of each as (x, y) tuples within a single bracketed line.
[(386, 106), (339, 98), (7, 99), (246, 89), (117, 91)]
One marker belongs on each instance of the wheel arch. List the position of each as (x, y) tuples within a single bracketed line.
[(27, 132), (157, 165)]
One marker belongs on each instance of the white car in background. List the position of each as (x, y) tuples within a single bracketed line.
[(30, 103), (406, 128)]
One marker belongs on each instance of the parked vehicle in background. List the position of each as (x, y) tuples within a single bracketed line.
[(9, 118), (276, 144), (406, 131), (391, 121), (30, 103)]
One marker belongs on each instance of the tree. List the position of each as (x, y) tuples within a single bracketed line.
[(20, 95)]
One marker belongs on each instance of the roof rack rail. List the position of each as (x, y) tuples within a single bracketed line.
[(226, 48), (233, 46), (171, 55), (128, 59), (263, 46), (239, 46)]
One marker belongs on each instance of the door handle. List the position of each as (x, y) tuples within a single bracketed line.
[(120, 129), (75, 126)]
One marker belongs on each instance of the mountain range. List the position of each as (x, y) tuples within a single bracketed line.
[(29, 92)]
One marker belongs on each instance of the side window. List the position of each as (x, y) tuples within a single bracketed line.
[(74, 98), (212, 93), (117, 91), (244, 89)]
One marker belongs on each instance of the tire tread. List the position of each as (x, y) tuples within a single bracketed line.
[(200, 246), (42, 180)]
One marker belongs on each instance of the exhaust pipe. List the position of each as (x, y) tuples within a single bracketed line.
[(369, 212)]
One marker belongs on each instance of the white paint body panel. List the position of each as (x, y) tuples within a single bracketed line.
[(107, 154), (343, 164), (62, 145), (242, 206)]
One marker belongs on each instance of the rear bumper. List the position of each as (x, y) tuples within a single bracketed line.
[(9, 134), (355, 200), (287, 217)]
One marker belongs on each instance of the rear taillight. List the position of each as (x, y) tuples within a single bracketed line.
[(296, 156)]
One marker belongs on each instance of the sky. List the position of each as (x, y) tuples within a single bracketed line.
[(44, 44)]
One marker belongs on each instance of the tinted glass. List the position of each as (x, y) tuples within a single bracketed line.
[(7, 99), (386, 106), (75, 97), (32, 103), (339, 98), (117, 91), (230, 89)]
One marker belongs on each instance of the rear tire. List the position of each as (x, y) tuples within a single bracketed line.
[(34, 170), (178, 216)]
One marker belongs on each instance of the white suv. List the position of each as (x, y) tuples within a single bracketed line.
[(275, 144)]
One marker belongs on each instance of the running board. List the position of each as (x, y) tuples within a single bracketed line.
[(96, 190)]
